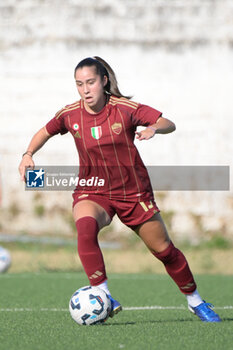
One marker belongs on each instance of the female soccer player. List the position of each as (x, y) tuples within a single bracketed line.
[(103, 124)]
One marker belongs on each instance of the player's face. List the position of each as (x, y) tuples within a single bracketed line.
[(91, 88)]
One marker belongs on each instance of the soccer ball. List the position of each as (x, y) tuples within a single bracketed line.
[(89, 305), (5, 259)]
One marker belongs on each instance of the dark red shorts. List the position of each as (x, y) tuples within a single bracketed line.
[(131, 214)]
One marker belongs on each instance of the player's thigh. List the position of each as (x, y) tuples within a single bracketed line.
[(154, 233), (90, 208)]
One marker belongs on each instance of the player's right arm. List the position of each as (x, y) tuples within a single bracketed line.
[(36, 143)]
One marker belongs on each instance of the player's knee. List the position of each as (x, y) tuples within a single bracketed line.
[(168, 255), (87, 224), (87, 228)]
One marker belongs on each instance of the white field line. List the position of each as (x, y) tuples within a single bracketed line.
[(133, 308)]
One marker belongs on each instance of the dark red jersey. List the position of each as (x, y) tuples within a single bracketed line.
[(105, 144)]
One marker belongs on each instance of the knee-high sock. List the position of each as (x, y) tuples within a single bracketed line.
[(178, 268), (89, 250)]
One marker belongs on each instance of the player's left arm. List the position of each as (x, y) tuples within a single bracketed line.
[(162, 126)]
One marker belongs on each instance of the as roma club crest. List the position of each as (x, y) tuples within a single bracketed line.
[(96, 132), (116, 128)]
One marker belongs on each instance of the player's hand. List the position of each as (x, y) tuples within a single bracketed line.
[(26, 162), (145, 134)]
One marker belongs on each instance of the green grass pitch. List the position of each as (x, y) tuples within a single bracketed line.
[(34, 314)]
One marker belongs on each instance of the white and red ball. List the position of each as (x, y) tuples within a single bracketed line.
[(89, 305)]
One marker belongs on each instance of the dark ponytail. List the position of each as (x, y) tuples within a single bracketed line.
[(102, 69)]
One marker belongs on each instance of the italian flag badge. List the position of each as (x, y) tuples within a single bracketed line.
[(96, 132)]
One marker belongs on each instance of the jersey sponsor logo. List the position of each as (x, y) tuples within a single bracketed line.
[(117, 128), (96, 132)]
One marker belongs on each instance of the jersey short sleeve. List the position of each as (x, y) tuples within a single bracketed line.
[(56, 125), (145, 115)]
